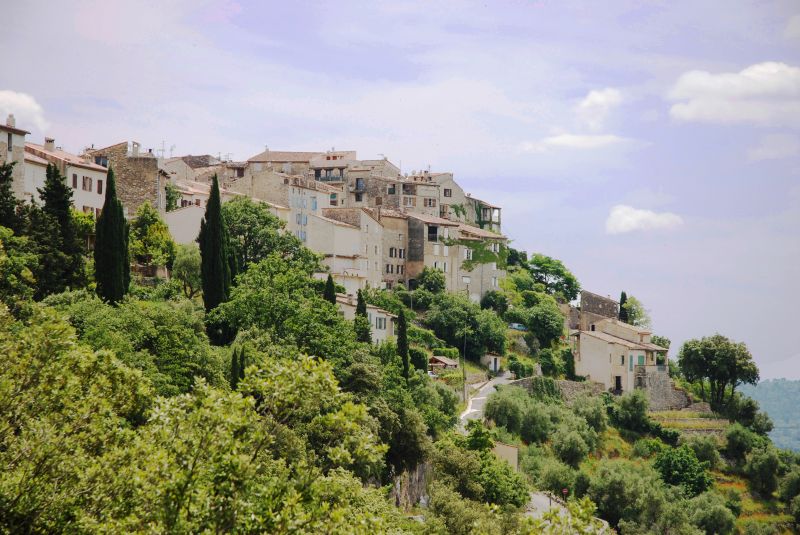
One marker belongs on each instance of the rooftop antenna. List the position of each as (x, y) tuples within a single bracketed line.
[(162, 150)]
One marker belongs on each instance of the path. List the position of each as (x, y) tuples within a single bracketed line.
[(477, 402)]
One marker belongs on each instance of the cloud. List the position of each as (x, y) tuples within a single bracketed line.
[(774, 147), (24, 107), (624, 218), (764, 94), (792, 30), (574, 141), (595, 107)]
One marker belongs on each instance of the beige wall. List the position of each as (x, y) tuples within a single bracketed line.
[(600, 361), (17, 154), (381, 322), (395, 240), (35, 176)]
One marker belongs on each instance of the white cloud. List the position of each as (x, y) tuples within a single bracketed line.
[(595, 107), (624, 218), (574, 141), (792, 30), (774, 147), (764, 94), (24, 107)]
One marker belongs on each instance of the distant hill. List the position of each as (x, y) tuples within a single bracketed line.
[(780, 398)]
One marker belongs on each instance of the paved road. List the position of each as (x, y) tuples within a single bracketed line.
[(477, 402)]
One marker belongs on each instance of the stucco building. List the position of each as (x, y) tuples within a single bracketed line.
[(382, 322), (12, 149)]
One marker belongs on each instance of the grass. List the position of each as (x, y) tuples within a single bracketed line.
[(707, 424), (683, 415)]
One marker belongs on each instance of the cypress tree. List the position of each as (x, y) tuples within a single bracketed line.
[(215, 265), (402, 342), (330, 290), (8, 204), (361, 322), (111, 263), (623, 312), (242, 364), (235, 370), (57, 202)]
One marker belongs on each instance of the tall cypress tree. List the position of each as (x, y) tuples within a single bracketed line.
[(623, 312), (111, 263), (330, 290), (402, 342), (57, 202), (235, 370), (215, 266), (9, 205), (361, 322), (242, 363)]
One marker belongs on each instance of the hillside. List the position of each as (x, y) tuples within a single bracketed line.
[(780, 399)]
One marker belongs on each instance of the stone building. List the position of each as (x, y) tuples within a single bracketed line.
[(136, 173), (382, 322), (12, 149)]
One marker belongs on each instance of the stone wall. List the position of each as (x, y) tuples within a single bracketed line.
[(411, 488), (137, 177), (660, 389), (351, 216), (569, 389), (597, 304)]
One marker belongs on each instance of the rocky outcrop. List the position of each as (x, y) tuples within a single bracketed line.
[(411, 488)]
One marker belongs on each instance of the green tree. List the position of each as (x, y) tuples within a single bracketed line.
[(496, 301), (172, 195), (452, 316), (569, 446), (111, 259), (215, 267), (710, 514), (330, 290), (432, 279), (57, 203), (739, 442), (362, 326), (186, 269), (402, 342), (623, 311), (635, 312), (151, 243), (18, 263), (234, 372), (8, 203), (721, 363), (680, 467), (545, 321), (762, 470), (555, 277), (630, 411)]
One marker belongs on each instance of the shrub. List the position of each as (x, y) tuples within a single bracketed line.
[(501, 484), (449, 352), (630, 412), (551, 363), (794, 509), (647, 447), (553, 475), (739, 442), (762, 470), (710, 514), (706, 449), (418, 358), (790, 485), (536, 424), (569, 446), (506, 407), (519, 368), (496, 301), (680, 467), (593, 410)]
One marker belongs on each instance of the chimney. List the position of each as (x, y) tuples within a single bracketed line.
[(11, 121), (135, 149), (49, 144)]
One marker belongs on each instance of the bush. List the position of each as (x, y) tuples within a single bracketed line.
[(569, 446), (496, 301), (432, 280), (536, 424), (553, 475), (551, 363), (449, 352), (630, 412), (418, 358), (794, 509), (710, 514), (762, 470), (790, 485), (593, 410), (706, 449), (739, 442), (507, 406), (519, 368), (680, 467), (647, 447), (501, 484)]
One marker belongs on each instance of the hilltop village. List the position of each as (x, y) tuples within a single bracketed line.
[(308, 342)]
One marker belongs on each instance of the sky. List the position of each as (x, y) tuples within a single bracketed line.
[(654, 147)]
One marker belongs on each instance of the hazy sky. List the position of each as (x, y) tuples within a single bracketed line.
[(654, 147)]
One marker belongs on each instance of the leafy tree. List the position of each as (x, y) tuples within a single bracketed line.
[(150, 241), (555, 277), (739, 442), (496, 301), (623, 311), (762, 470), (551, 363), (255, 233), (18, 263), (710, 514), (479, 438), (111, 260), (790, 485), (215, 267), (452, 316), (680, 467), (516, 258), (432, 280), (506, 407), (186, 269), (636, 313), (57, 203), (418, 358), (330, 290), (569, 446), (402, 342), (172, 195), (545, 321), (501, 484), (536, 424), (662, 341), (361, 323), (630, 412), (706, 449), (84, 223), (234, 373), (8, 203), (593, 410), (720, 362)]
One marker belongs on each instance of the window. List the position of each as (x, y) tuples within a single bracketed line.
[(429, 203), (74, 181), (87, 209), (380, 323), (435, 249), (197, 202), (87, 184), (467, 254), (433, 233), (392, 189), (445, 267), (376, 249), (389, 268), (378, 201), (401, 253), (401, 269), (448, 192), (400, 236), (592, 328), (297, 218), (305, 219), (359, 183), (622, 360), (99, 186), (409, 201), (313, 203), (10, 142), (392, 252), (494, 282)]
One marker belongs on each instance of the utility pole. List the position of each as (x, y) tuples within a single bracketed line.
[(464, 361)]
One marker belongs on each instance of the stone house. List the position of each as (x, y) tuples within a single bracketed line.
[(86, 178), (426, 248), (368, 244), (12, 149), (482, 277), (382, 322), (192, 168), (136, 173)]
